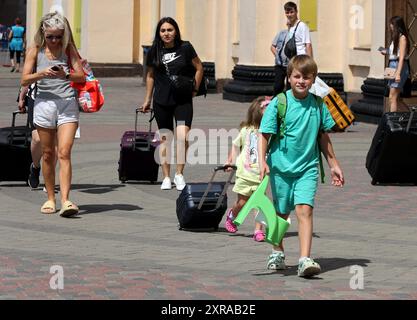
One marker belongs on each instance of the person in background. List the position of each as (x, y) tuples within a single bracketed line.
[(301, 33), (26, 103), (281, 61), (16, 44), (399, 60)]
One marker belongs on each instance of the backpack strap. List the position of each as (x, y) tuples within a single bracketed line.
[(282, 111), (319, 102)]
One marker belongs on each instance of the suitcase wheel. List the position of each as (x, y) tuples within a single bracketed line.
[(123, 180), (373, 182)]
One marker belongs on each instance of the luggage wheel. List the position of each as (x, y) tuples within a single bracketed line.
[(373, 182)]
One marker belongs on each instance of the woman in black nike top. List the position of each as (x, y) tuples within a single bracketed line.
[(170, 56)]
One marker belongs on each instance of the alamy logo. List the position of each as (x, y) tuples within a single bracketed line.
[(57, 280), (357, 19), (357, 280), (170, 57)]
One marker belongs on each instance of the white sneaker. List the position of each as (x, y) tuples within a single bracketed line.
[(166, 184), (179, 182)]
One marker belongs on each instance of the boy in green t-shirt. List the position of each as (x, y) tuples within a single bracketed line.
[(293, 159)]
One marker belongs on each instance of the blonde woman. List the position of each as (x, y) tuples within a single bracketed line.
[(56, 113)]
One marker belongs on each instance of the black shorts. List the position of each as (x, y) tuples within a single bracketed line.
[(164, 115)]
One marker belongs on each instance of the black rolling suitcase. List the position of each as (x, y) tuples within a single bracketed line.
[(392, 157), (137, 154), (15, 156), (203, 205)]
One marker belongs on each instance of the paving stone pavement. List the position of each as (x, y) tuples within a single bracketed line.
[(125, 243)]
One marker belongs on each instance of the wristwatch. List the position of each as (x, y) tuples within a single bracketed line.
[(67, 75)]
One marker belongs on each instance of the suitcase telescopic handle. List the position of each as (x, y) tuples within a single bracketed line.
[(151, 117), (226, 186), (413, 110), (15, 113)]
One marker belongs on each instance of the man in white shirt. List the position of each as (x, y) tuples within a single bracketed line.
[(302, 42)]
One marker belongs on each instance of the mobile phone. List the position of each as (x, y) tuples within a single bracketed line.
[(55, 68), (381, 49)]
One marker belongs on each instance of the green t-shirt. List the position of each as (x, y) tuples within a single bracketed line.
[(297, 151), (248, 160)]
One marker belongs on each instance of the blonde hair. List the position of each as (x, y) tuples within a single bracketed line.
[(303, 63), (254, 114), (54, 20)]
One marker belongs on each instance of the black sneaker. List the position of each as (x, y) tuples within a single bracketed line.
[(33, 179)]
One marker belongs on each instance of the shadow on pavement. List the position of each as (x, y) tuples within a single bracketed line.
[(287, 235), (326, 264), (100, 208), (95, 188)]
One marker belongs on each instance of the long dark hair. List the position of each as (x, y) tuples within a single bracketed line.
[(155, 52), (399, 30)]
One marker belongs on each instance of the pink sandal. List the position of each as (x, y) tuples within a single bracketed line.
[(229, 225), (259, 236)]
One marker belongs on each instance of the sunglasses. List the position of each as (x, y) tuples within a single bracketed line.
[(50, 37)]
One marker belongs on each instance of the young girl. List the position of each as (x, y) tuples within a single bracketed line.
[(398, 59), (247, 176)]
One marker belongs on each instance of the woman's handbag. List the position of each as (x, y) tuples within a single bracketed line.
[(389, 73), (183, 86), (89, 93), (290, 49)]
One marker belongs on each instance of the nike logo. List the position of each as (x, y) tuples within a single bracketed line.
[(169, 57)]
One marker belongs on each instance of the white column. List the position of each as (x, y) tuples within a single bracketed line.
[(378, 38), (247, 47), (168, 8)]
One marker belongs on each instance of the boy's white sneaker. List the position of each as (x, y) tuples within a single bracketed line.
[(166, 184), (308, 268), (179, 182)]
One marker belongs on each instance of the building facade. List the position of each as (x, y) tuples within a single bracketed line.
[(345, 33)]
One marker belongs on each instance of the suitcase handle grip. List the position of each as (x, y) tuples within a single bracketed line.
[(226, 186), (15, 113), (224, 168), (151, 117), (413, 109)]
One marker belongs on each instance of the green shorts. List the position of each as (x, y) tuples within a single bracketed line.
[(288, 192), (245, 187)]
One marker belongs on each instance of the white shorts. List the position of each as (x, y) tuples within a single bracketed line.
[(51, 114)]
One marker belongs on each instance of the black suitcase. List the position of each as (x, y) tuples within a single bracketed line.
[(203, 205), (392, 157), (15, 153), (137, 154)]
